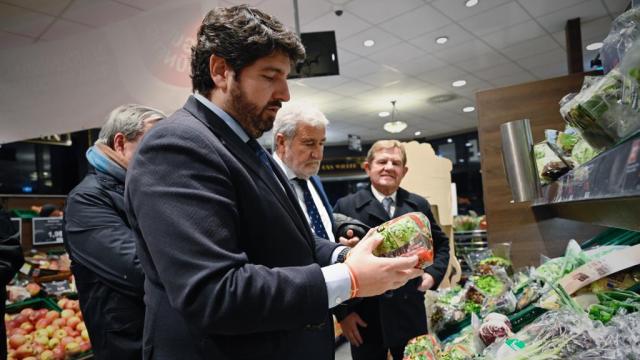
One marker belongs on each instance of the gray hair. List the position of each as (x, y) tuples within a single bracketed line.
[(291, 115), (129, 120)]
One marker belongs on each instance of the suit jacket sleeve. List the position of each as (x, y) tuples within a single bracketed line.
[(344, 309), (11, 258), (182, 197), (324, 250), (441, 247), (100, 239)]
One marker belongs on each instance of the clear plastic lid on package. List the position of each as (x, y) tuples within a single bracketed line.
[(407, 235)]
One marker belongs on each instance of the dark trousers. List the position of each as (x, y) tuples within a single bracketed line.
[(373, 347)]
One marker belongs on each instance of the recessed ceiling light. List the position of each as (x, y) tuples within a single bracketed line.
[(449, 140), (384, 113), (368, 43), (417, 133), (594, 46), (459, 83), (470, 3), (468, 109), (442, 40), (395, 126)]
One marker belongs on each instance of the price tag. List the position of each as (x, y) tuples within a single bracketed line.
[(17, 223), (47, 231)]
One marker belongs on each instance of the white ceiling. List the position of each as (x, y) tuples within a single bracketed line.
[(496, 43)]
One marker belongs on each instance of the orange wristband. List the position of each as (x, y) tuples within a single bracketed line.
[(354, 282)]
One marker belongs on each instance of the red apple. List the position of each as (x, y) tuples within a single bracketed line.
[(60, 334), (27, 311), (85, 346), (52, 315), (42, 323), (73, 321), (30, 358), (85, 335), (24, 350), (51, 329), (67, 313), (38, 348), (58, 353), (27, 326), (16, 340), (60, 322), (81, 326), (53, 343), (70, 331), (72, 347), (62, 302), (19, 319), (47, 355), (67, 339), (18, 331)]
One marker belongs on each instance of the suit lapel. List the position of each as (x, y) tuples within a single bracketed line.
[(404, 204), (372, 206), (282, 192)]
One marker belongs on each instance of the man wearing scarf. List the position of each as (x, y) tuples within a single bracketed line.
[(101, 243)]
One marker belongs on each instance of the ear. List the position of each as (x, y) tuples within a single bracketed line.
[(366, 166), (118, 143), (220, 72)]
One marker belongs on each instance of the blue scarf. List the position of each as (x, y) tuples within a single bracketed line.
[(101, 162)]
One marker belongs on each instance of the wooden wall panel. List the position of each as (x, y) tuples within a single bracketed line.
[(531, 232)]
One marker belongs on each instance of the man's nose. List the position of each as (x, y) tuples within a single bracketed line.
[(282, 92)]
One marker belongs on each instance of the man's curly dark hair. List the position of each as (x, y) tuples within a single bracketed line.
[(240, 35)]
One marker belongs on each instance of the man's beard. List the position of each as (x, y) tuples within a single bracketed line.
[(253, 120)]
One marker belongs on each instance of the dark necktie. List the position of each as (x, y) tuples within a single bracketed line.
[(312, 210), (386, 204), (260, 153)]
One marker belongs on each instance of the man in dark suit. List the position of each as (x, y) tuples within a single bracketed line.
[(385, 323), (232, 268), (299, 134)]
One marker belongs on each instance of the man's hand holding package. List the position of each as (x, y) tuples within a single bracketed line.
[(349, 240), (375, 275)]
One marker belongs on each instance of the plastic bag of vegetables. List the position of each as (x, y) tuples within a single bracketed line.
[(424, 347), (406, 235)]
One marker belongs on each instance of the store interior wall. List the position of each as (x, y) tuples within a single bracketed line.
[(531, 232)]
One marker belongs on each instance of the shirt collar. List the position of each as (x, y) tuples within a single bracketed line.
[(231, 122), (379, 196), (290, 174)]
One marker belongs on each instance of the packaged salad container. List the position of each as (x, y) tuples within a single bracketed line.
[(407, 235)]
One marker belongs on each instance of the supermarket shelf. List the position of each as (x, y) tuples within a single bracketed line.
[(604, 191)]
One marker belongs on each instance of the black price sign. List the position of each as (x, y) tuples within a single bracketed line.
[(17, 224), (47, 231)]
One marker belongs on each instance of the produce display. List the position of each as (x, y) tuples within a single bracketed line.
[(47, 333), (406, 235), (462, 223), (599, 321)]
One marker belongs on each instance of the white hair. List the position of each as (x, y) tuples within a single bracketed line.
[(129, 120), (291, 115)]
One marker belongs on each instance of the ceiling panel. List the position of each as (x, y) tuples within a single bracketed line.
[(382, 40), (464, 52), (377, 11), (542, 7), (312, 9), (382, 78), (63, 28), (416, 22), (351, 88), (8, 41), (616, 7), (443, 74), (344, 26), (359, 67), (325, 82), (419, 65), (531, 47), (50, 7), (457, 36), (596, 29), (550, 71), (98, 12), (346, 56), (555, 56), (457, 11), (586, 11), (145, 4), (496, 19), (483, 61), (23, 22), (514, 34), (389, 56), (499, 71)]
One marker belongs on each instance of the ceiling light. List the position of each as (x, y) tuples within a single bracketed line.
[(395, 126), (368, 43), (459, 83), (594, 46), (468, 109), (442, 40), (383, 113), (417, 133), (470, 3), (449, 140)]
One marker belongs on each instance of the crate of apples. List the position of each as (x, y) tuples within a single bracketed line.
[(46, 334)]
